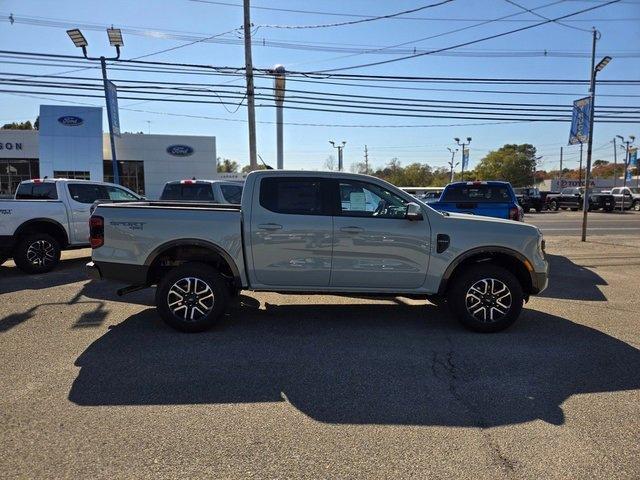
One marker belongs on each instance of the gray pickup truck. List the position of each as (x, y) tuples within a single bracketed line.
[(315, 232)]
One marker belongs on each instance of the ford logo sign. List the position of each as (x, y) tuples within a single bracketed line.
[(180, 150), (70, 121)]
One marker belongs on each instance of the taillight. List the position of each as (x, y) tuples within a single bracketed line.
[(514, 214), (96, 231)]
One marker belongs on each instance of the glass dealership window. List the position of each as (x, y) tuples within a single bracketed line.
[(15, 170), (73, 175), (131, 174)]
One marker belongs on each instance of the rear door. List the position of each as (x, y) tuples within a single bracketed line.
[(480, 199), (375, 246), (292, 232)]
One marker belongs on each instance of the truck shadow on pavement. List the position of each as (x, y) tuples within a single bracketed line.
[(359, 364), (571, 281), (71, 270)]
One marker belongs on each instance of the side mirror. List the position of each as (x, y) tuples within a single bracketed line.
[(414, 212)]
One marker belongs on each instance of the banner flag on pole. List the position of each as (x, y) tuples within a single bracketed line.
[(111, 93), (580, 121), (633, 157), (465, 158)]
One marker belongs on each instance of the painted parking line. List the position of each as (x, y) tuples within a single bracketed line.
[(569, 229)]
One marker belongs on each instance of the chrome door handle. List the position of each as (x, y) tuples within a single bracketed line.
[(269, 226), (352, 229)]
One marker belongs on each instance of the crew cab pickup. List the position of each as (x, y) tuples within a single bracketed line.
[(573, 198), (50, 215), (489, 199), (627, 197), (215, 191), (314, 232)]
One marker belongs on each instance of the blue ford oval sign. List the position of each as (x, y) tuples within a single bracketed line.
[(70, 121), (180, 150)]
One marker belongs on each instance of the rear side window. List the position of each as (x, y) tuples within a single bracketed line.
[(87, 192), (476, 193), (201, 192), (37, 191), (298, 196), (231, 193)]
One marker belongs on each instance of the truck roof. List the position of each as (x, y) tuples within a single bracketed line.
[(203, 180), (481, 182), (64, 180)]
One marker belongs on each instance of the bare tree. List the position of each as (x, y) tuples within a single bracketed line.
[(330, 163)]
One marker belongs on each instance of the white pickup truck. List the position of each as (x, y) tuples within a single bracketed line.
[(50, 215)]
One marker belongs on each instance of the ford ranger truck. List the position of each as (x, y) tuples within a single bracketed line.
[(317, 232), (489, 199), (50, 215)]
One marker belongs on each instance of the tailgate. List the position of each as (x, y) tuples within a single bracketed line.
[(486, 209)]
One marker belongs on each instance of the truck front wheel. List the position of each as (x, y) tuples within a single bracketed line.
[(486, 298), (37, 253), (191, 297)]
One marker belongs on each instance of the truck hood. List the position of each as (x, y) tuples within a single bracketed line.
[(499, 223)]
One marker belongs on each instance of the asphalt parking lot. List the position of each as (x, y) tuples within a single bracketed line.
[(323, 386)]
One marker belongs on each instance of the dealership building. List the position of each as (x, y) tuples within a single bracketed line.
[(70, 143)]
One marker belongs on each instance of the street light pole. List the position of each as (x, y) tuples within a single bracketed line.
[(115, 39), (451, 163), (340, 149), (251, 99), (463, 145), (627, 160), (592, 93)]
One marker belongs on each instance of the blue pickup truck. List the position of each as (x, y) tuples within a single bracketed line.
[(489, 199)]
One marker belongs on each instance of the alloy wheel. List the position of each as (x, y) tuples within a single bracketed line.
[(41, 253), (488, 300), (190, 299)]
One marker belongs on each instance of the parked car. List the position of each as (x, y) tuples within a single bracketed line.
[(489, 199), (313, 232), (431, 196), (572, 198), (215, 191), (529, 199), (50, 215), (631, 196)]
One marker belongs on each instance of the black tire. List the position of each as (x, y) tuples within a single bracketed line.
[(574, 209), (538, 209), (205, 310), (553, 205), (37, 253), (636, 206), (526, 209), (494, 278)]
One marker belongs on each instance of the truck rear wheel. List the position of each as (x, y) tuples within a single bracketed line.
[(636, 205), (553, 206), (486, 298), (191, 297), (37, 253)]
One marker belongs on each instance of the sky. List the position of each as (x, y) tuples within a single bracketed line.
[(39, 26)]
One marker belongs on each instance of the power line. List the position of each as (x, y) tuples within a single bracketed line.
[(356, 22), (471, 42)]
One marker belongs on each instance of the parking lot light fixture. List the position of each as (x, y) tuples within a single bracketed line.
[(603, 63), (78, 39), (115, 37)]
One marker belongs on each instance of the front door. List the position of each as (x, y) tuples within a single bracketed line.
[(375, 246), (292, 232)]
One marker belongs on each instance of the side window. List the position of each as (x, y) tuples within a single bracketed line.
[(231, 193), (37, 191), (116, 193), (87, 192), (360, 199), (297, 196)]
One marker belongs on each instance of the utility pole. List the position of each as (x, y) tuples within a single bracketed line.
[(615, 163), (251, 102), (278, 87), (340, 148), (451, 163), (560, 168), (627, 160), (366, 160), (592, 92)]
